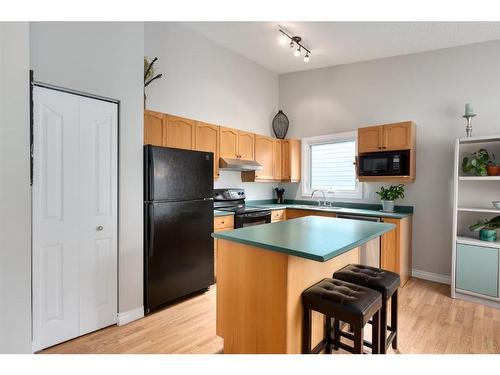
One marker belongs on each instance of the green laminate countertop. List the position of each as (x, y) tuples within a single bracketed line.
[(336, 209), (222, 213), (310, 237)]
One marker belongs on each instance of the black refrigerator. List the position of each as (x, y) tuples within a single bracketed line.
[(178, 222)]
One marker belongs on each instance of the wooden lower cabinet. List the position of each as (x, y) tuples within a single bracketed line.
[(278, 215), (221, 223), (395, 248), (294, 213)]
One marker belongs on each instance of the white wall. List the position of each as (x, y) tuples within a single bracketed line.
[(206, 82), (429, 88), (106, 59), (15, 212)]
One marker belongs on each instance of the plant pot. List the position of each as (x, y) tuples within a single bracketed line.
[(493, 170), (388, 206), (489, 235)]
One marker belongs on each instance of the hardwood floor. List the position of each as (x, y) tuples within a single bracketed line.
[(429, 322)]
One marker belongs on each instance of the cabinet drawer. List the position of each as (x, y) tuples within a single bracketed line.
[(477, 269), (223, 222), (278, 215)]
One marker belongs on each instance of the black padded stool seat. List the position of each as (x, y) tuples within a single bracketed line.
[(383, 281), (341, 301)]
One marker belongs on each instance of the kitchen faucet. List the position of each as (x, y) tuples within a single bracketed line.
[(324, 196)]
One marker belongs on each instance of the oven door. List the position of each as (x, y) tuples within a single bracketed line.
[(252, 218)]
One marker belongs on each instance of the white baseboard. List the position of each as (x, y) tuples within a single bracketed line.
[(443, 279), (129, 316)]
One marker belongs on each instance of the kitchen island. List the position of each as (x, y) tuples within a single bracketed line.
[(262, 271)]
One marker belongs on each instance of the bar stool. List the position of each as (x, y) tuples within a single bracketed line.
[(341, 301), (385, 282)]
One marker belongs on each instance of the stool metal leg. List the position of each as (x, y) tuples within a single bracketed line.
[(394, 319), (376, 333), (328, 335), (358, 340), (383, 328), (306, 331), (336, 334)]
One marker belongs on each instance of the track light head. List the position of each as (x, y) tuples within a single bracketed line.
[(295, 44)]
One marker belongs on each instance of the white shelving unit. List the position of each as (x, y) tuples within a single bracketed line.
[(475, 263)]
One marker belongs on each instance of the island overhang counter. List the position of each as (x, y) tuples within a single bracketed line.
[(263, 269)]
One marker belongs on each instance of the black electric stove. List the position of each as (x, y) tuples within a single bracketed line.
[(233, 200)]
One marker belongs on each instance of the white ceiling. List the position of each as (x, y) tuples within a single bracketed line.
[(334, 43)]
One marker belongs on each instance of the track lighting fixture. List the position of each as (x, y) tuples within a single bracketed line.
[(294, 41)]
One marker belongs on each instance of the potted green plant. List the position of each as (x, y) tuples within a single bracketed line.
[(389, 195), (492, 168), (487, 229), (477, 163)]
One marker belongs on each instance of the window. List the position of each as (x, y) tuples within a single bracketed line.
[(329, 165)]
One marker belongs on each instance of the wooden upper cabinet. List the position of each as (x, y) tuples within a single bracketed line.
[(228, 143), (278, 160), (180, 132), (370, 139), (285, 159), (246, 145), (295, 160), (291, 160), (399, 136), (389, 137), (264, 155), (207, 139), (155, 129)]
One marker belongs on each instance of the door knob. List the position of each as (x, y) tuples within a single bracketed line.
[(99, 228)]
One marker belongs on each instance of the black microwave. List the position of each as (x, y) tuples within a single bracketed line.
[(393, 163)]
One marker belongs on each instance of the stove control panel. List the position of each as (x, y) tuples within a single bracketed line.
[(228, 194)]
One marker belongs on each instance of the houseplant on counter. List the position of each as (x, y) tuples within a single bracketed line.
[(479, 163), (389, 195), (487, 229)]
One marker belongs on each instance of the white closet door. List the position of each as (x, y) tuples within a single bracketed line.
[(74, 195), (98, 214), (55, 218)]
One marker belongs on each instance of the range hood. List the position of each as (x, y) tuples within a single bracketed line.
[(228, 164)]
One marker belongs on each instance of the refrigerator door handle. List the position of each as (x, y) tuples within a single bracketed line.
[(151, 230)]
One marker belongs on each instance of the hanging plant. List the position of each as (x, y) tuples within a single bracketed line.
[(149, 74)]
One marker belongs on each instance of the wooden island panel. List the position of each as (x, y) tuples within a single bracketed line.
[(259, 308)]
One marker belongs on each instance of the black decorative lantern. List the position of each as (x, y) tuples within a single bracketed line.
[(280, 125)]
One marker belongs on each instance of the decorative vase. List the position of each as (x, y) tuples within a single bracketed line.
[(387, 206), (493, 170), (489, 235), (280, 125)]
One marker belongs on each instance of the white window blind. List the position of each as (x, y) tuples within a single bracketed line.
[(331, 166)]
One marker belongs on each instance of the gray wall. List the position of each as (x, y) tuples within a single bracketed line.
[(204, 81), (105, 59), (15, 212), (429, 88)]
